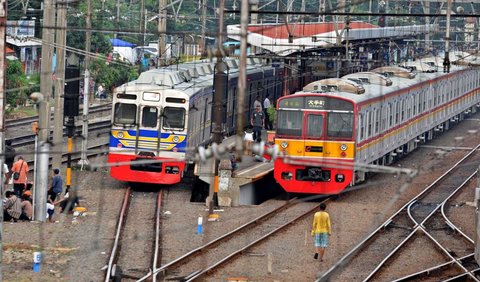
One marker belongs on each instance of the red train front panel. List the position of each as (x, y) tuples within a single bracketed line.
[(315, 134), (314, 167)]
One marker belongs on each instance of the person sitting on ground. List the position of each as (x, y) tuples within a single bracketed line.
[(12, 207), (27, 208)]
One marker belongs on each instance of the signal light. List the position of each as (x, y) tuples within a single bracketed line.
[(381, 21)]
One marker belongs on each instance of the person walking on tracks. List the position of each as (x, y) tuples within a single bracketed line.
[(321, 230)]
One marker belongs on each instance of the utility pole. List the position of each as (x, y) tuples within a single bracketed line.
[(220, 81), (254, 19), (203, 44), (3, 21), (242, 79), (43, 104), (41, 165), (46, 67), (162, 29), (477, 218), (86, 85), (446, 60), (88, 44), (61, 41)]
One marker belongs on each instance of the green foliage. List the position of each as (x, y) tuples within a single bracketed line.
[(113, 74), (272, 114), (17, 84)]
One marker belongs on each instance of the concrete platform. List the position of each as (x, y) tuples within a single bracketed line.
[(235, 185)]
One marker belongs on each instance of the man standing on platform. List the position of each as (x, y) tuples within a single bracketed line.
[(258, 122)]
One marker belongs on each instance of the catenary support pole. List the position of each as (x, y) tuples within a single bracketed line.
[(46, 81), (83, 157), (61, 41), (42, 159), (242, 80), (3, 21)]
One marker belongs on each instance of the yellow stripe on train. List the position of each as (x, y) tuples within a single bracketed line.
[(120, 134), (317, 148)]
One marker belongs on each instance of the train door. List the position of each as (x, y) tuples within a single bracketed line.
[(149, 122), (313, 133)]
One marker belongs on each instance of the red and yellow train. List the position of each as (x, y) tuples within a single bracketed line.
[(327, 134)]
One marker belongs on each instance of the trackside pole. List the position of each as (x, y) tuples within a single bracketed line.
[(477, 218)]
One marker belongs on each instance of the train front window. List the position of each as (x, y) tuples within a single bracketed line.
[(314, 126), (125, 113), (149, 116), (340, 125), (289, 123), (173, 117)]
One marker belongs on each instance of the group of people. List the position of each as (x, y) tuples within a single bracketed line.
[(18, 203), (259, 120)]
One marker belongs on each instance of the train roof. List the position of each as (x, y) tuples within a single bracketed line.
[(373, 91), (189, 77)]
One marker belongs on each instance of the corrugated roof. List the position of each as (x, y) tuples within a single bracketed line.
[(303, 29)]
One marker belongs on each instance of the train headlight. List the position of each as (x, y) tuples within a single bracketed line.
[(120, 135), (343, 147), (176, 139), (284, 145), (339, 178)]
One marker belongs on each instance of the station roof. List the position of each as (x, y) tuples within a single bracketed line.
[(285, 39)]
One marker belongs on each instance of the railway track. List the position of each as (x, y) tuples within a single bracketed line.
[(28, 120), (136, 249), (422, 220), (218, 252), (29, 139)]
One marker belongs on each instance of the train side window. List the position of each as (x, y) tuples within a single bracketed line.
[(361, 122), (125, 113), (173, 117), (390, 115), (314, 126), (149, 116), (397, 112), (377, 120), (369, 123)]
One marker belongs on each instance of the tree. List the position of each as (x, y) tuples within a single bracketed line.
[(16, 84)]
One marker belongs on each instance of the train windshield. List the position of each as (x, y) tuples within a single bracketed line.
[(340, 125), (125, 113), (173, 117), (289, 123)]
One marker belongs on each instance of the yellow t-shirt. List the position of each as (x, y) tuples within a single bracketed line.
[(321, 223)]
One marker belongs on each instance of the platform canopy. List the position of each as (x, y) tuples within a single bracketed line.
[(284, 39), (121, 43)]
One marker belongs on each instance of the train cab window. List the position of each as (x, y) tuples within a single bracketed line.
[(289, 123), (340, 125), (314, 126), (173, 117), (149, 116), (125, 113)]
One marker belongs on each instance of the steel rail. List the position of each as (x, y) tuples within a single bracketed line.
[(29, 120), (218, 239), (158, 234), (356, 249), (420, 226), (429, 270), (229, 257), (29, 139), (120, 225)]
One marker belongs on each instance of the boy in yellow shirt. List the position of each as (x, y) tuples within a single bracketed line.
[(321, 229)]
